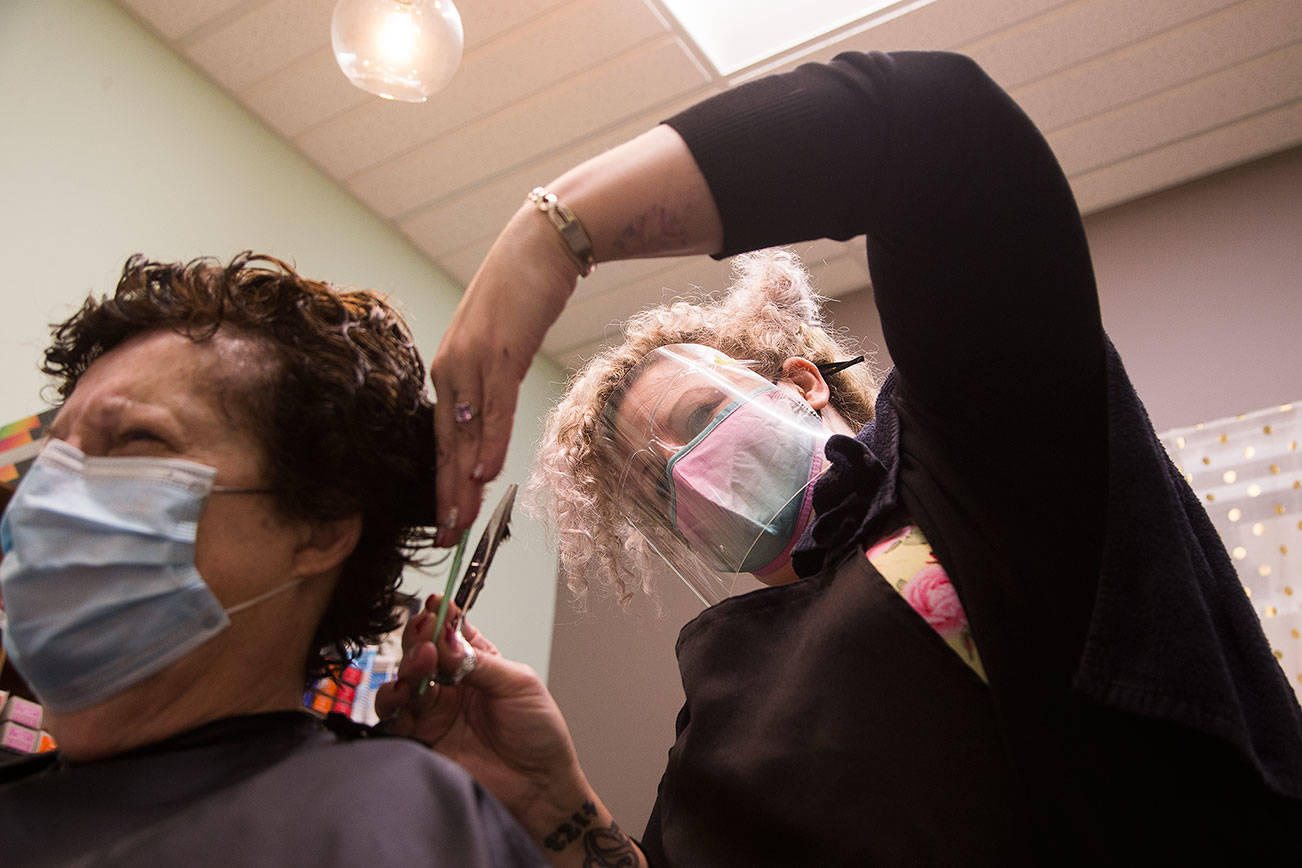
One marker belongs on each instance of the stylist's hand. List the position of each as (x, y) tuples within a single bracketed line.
[(518, 292), (643, 198), (499, 723)]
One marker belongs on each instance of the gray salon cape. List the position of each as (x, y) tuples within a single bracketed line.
[(267, 789)]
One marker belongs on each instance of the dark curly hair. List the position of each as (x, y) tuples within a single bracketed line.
[(343, 416)]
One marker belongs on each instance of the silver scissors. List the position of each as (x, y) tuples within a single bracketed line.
[(499, 528)]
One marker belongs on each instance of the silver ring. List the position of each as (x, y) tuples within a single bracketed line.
[(468, 664)]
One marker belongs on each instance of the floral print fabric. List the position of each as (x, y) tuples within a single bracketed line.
[(906, 561)]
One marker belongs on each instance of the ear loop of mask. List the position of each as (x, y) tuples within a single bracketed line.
[(266, 595)]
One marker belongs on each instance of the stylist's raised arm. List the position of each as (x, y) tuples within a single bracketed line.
[(645, 198)]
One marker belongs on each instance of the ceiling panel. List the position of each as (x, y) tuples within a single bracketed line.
[(305, 93), (1141, 69), (556, 47), (1189, 158), (1134, 96), (1076, 33), (484, 20), (1205, 103), (236, 55), (595, 314), (633, 82), (477, 215), (174, 20)]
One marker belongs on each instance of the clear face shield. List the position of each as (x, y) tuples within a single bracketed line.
[(714, 465)]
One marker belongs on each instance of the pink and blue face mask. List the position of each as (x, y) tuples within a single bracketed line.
[(740, 491)]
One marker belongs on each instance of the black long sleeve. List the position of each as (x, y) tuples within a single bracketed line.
[(982, 277), (1089, 573)]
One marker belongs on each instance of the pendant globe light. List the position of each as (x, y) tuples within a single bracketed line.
[(397, 49)]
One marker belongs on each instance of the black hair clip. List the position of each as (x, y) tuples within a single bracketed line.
[(827, 369)]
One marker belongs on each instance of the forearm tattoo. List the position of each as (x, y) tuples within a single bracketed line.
[(655, 231), (603, 846)]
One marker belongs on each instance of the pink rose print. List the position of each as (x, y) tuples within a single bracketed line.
[(934, 598)]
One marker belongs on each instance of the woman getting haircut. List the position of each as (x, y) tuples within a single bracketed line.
[(240, 469), (1110, 697)]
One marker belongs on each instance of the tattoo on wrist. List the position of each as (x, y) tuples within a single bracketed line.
[(608, 848), (654, 231), (572, 829), (603, 846)]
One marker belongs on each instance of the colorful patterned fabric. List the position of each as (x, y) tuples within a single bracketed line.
[(19, 443), (906, 561)]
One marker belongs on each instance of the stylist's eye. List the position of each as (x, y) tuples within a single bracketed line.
[(698, 419)]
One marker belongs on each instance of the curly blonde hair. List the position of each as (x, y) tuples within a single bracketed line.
[(769, 314)]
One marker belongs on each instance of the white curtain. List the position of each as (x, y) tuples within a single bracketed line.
[(1248, 472)]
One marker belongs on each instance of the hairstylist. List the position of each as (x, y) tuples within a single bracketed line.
[(1132, 710)]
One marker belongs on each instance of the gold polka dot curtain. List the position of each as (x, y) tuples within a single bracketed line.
[(1248, 473)]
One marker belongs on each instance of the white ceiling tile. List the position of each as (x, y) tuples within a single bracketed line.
[(481, 212), (483, 20), (1077, 32), (304, 93), (585, 318), (263, 40), (1190, 158), (549, 49), (1142, 69), (612, 277), (632, 84), (834, 278), (174, 20), (1256, 86)]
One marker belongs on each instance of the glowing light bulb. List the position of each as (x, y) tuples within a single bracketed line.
[(397, 49), (397, 37)]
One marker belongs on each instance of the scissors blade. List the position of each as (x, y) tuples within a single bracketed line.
[(477, 571)]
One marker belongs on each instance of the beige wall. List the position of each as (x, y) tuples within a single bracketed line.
[(112, 145), (1199, 291)]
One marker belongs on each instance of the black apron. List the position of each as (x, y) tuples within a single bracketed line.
[(827, 723)]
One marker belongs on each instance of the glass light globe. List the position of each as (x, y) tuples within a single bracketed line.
[(397, 49)]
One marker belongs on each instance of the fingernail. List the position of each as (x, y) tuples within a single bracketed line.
[(477, 475), (450, 630), (422, 622), (432, 601)]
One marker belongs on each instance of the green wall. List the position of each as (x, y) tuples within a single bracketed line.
[(113, 145)]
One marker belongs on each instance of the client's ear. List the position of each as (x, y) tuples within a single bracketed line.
[(804, 375), (326, 544)]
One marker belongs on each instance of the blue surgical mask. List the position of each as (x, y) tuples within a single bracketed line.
[(99, 579)]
